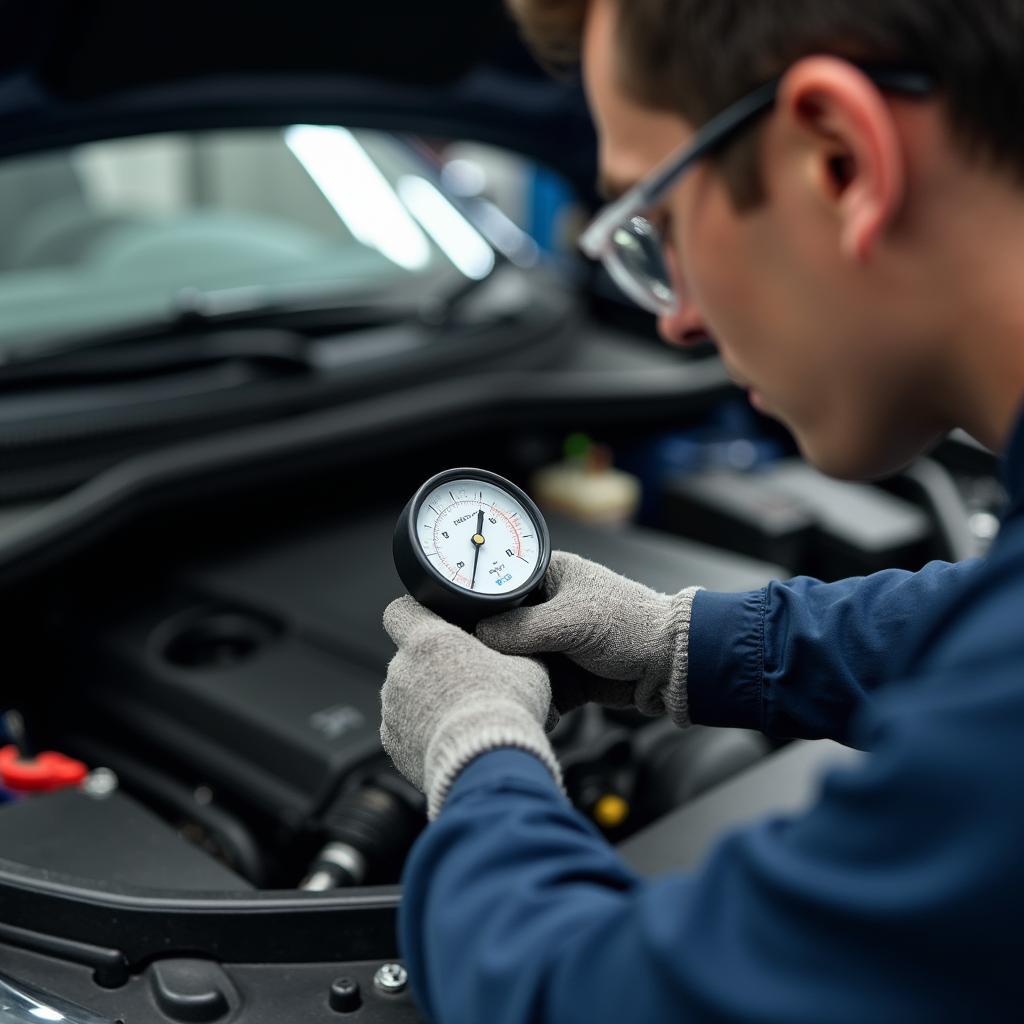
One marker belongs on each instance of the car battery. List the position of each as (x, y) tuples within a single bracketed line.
[(791, 514)]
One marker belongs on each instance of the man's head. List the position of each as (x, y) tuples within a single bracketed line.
[(829, 250)]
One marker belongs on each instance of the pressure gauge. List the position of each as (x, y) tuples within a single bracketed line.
[(470, 544)]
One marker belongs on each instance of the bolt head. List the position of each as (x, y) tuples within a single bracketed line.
[(391, 978), (100, 783)]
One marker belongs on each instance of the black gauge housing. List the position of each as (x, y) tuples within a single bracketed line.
[(437, 592)]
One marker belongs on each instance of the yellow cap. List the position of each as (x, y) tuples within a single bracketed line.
[(611, 811)]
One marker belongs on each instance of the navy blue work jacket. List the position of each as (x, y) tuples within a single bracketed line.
[(899, 896)]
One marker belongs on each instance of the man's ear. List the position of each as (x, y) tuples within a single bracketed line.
[(858, 162)]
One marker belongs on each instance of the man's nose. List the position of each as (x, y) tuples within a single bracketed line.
[(683, 327)]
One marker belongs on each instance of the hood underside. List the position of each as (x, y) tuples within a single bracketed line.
[(73, 71)]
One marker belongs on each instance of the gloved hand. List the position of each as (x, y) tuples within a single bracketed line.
[(448, 698), (631, 641)]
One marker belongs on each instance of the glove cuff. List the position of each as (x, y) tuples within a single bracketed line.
[(475, 729), (664, 686)]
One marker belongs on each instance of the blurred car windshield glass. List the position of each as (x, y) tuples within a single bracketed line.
[(115, 232)]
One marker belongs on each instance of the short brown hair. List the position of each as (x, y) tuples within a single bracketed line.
[(697, 56), (552, 28)]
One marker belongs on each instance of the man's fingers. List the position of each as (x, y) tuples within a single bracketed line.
[(561, 564), (534, 630), (404, 616)]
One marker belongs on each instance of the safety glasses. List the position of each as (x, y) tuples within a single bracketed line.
[(631, 247)]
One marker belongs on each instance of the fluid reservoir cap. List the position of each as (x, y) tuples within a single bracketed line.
[(611, 811), (191, 991), (43, 773)]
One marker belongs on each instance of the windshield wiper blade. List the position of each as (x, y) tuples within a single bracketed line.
[(276, 351), (194, 313), (201, 317)]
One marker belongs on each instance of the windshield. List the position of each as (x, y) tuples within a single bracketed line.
[(116, 232)]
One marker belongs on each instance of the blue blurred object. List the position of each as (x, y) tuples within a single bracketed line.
[(733, 436), (549, 196)]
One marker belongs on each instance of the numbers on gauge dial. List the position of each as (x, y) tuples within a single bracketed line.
[(508, 541)]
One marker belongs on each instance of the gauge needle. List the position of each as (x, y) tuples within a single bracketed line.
[(478, 543)]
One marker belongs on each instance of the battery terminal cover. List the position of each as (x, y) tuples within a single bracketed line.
[(41, 773)]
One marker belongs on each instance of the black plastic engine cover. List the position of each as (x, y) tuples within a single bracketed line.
[(229, 697)]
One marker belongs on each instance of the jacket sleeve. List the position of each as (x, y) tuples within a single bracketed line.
[(799, 659), (897, 898)]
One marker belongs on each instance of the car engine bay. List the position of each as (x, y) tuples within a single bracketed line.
[(238, 696), (200, 628)]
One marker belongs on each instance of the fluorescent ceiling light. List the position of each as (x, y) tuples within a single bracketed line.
[(362, 196), (461, 242)]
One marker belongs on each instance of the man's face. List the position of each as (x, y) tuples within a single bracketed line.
[(828, 346)]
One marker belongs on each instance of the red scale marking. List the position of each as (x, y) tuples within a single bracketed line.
[(514, 528)]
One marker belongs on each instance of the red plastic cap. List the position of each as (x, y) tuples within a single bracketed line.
[(43, 773)]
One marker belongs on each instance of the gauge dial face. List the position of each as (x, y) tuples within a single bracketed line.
[(478, 536)]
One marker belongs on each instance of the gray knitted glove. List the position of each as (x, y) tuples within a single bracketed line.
[(448, 698), (632, 641)]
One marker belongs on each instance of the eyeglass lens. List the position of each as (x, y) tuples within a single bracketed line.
[(639, 251)]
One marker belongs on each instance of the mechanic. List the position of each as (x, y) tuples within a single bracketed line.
[(853, 240)]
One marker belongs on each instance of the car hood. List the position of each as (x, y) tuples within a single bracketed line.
[(73, 71)]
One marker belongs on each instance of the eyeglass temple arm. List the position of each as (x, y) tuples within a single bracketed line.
[(723, 126), (716, 133)]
